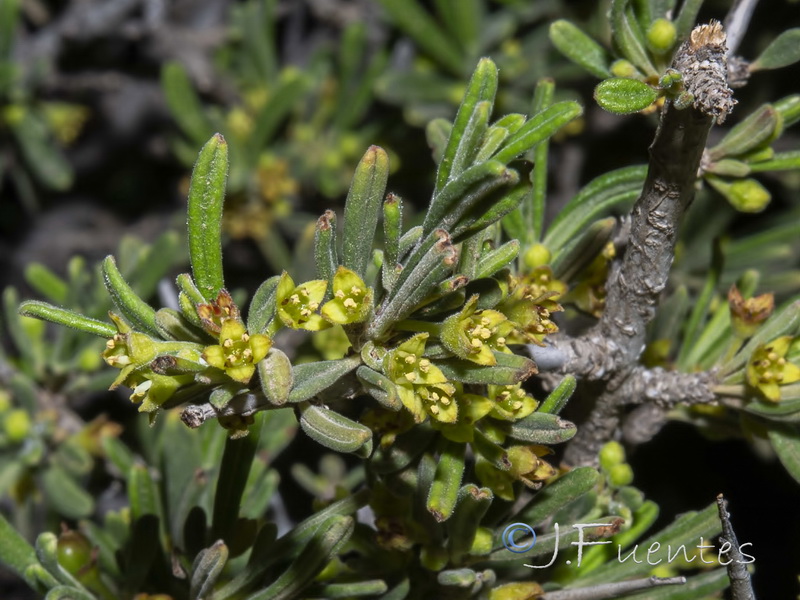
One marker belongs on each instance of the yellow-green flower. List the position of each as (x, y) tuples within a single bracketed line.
[(128, 350), (768, 368), (151, 390), (510, 402), (471, 409), (352, 299), (530, 304), (298, 305), (473, 334), (422, 387), (238, 352)]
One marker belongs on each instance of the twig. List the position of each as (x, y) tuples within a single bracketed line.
[(741, 585), (611, 350), (611, 590)]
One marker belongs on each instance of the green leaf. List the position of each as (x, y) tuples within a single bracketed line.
[(786, 442), (68, 592), (540, 127), (283, 98), (781, 161), (276, 376), (206, 569), (447, 480), (686, 530), (143, 493), (471, 506), (335, 431), (204, 221), (542, 428), (136, 311), (624, 96), (234, 469), (437, 132), (47, 283), (379, 387), (496, 260), (16, 553), (41, 154), (697, 587), (687, 18), (573, 43), (510, 369), (363, 208), (326, 257), (62, 316), (745, 195), (64, 494), (406, 447), (559, 397), (392, 232), (482, 87), (172, 325), (464, 20), (629, 38), (184, 104), (757, 128), (313, 378), (327, 541), (558, 494), (410, 17), (783, 51), (47, 553), (262, 306)]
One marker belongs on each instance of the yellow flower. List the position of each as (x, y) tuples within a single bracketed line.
[(511, 403), (473, 335), (238, 352), (352, 299), (298, 305), (768, 368)]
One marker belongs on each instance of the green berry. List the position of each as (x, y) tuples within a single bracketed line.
[(17, 425), (74, 551), (611, 455), (537, 256), (661, 35), (620, 475)]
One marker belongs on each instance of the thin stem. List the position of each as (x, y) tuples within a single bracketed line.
[(612, 590)]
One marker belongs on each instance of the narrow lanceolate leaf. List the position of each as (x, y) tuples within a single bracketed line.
[(335, 431), (143, 493), (510, 369), (64, 494), (313, 378), (276, 376), (42, 156), (184, 103), (497, 259), (462, 192), (555, 496), (482, 87), (262, 306), (47, 553), (62, 316), (447, 480), (780, 161), (68, 592), (629, 38), (172, 325), (379, 387), (135, 310), (392, 231), (783, 51), (558, 398), (47, 283), (206, 569), (363, 208), (325, 256), (573, 43), (583, 248), (542, 428), (471, 506), (204, 221), (327, 541), (15, 551), (757, 128), (596, 199), (786, 442), (410, 17), (538, 128), (624, 96)]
